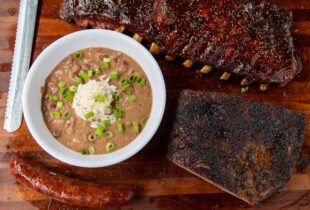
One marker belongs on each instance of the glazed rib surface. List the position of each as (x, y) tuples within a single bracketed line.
[(246, 148), (249, 38)]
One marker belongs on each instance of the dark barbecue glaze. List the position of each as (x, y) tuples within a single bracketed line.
[(66, 189), (246, 148), (247, 37)]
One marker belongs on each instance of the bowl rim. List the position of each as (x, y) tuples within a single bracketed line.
[(93, 161)]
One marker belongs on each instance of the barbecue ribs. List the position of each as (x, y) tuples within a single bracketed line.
[(246, 148), (249, 38)]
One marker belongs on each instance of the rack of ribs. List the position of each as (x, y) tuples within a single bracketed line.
[(249, 38), (245, 148)]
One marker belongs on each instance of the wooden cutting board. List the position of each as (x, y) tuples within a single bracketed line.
[(160, 184)]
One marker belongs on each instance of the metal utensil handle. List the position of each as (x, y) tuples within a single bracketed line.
[(21, 60)]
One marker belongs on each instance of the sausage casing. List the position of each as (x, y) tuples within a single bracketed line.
[(67, 189)]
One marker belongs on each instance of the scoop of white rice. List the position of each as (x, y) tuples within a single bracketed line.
[(84, 101)]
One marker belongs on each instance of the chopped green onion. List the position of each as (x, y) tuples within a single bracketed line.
[(107, 60), (91, 149), (144, 119), (120, 127), (119, 112), (127, 92), (245, 89), (69, 96), (90, 73), (53, 98), (116, 96), (73, 88), (108, 134), (56, 114), (109, 147), (84, 152), (66, 115), (106, 123), (114, 75), (135, 127), (78, 79), (109, 107), (83, 75), (89, 115), (61, 84), (100, 131), (132, 77), (104, 65), (132, 98), (91, 137), (100, 98), (123, 82), (98, 71), (140, 80), (59, 104), (62, 90), (78, 55)]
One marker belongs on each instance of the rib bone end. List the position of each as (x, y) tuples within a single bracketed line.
[(155, 49), (206, 69), (188, 63), (263, 87), (120, 29), (225, 76), (170, 57), (137, 37)]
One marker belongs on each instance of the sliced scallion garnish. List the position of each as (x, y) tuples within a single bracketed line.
[(140, 80), (73, 88), (62, 90), (100, 131), (69, 96), (123, 82), (108, 135), (135, 127), (104, 65), (106, 123), (90, 73), (91, 137), (78, 79), (59, 104), (245, 89), (66, 115), (114, 75), (107, 60), (83, 75), (116, 96), (56, 114), (132, 98), (109, 147), (78, 55), (84, 152), (89, 115), (98, 71), (53, 98), (100, 98), (91, 149), (132, 78), (120, 127), (61, 84), (144, 119)]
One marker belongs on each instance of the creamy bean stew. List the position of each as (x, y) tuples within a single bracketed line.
[(96, 101)]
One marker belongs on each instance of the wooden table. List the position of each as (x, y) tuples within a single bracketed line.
[(160, 184)]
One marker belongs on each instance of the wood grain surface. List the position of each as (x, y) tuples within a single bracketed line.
[(159, 184)]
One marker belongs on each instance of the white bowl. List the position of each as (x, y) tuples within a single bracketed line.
[(48, 60)]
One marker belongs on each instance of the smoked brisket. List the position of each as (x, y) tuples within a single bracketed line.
[(246, 148)]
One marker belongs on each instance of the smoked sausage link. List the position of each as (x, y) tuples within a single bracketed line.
[(66, 189)]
